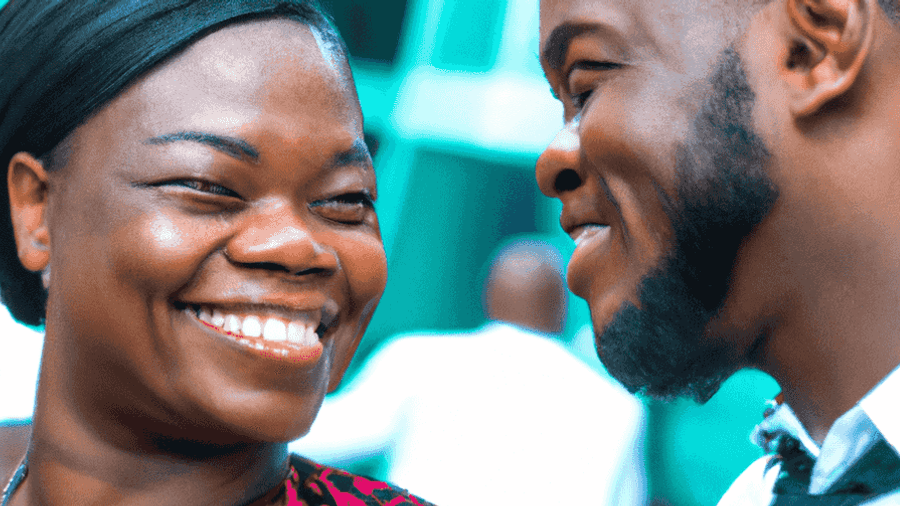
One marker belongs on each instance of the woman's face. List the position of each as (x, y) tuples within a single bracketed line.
[(214, 252)]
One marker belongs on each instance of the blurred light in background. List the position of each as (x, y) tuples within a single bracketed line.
[(459, 112), (20, 357)]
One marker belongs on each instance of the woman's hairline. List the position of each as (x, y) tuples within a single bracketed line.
[(328, 41)]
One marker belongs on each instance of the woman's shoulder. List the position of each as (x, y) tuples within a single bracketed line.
[(14, 438), (318, 484)]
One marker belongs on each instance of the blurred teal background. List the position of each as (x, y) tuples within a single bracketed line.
[(457, 112)]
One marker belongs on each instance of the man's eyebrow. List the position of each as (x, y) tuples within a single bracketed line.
[(557, 45), (233, 147), (358, 154)]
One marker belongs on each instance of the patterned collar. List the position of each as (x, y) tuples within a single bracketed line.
[(307, 484), (862, 442)]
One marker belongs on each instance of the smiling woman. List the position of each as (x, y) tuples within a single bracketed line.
[(191, 216)]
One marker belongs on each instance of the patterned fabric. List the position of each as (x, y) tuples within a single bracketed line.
[(875, 472), (311, 484), (854, 465)]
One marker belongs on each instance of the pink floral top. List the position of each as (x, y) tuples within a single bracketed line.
[(311, 484)]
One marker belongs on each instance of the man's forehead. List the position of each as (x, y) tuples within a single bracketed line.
[(648, 8), (661, 14), (668, 29), (556, 12)]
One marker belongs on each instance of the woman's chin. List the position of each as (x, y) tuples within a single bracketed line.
[(269, 418), (273, 430)]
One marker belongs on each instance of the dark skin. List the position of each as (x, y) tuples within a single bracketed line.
[(813, 290), (13, 443), (233, 177)]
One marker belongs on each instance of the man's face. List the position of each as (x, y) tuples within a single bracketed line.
[(661, 177)]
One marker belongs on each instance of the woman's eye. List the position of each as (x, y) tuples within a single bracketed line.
[(583, 79), (202, 187), (350, 208)]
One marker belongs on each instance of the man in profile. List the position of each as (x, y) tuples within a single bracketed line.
[(730, 173)]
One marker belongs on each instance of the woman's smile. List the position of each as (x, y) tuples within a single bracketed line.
[(279, 332)]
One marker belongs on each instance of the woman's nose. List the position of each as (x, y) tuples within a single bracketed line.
[(278, 239), (558, 169)]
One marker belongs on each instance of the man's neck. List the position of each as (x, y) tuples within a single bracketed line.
[(829, 355), (814, 303)]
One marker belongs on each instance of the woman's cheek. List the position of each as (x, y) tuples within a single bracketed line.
[(365, 263), (160, 247)]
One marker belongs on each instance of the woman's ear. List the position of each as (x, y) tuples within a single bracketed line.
[(28, 189), (831, 41)]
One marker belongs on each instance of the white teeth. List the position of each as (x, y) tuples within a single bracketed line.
[(232, 324), (275, 330), (585, 233), (299, 333), (218, 319), (252, 327), (589, 231), (296, 333)]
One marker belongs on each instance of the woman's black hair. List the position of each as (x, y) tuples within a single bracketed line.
[(62, 60)]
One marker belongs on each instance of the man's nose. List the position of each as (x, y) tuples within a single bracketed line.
[(278, 239), (558, 169)]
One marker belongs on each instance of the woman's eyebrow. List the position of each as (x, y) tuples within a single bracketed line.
[(233, 147), (356, 155)]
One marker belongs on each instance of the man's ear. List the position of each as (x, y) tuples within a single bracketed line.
[(28, 189), (832, 39)]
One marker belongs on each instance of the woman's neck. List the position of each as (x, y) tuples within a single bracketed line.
[(74, 459)]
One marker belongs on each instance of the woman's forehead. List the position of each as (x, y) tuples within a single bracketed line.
[(241, 72), (243, 52), (266, 83)]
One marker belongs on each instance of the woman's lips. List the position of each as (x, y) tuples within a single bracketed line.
[(294, 338)]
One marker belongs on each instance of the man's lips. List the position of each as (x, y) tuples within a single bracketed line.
[(591, 245), (585, 232)]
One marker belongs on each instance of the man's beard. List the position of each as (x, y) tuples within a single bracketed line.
[(660, 348)]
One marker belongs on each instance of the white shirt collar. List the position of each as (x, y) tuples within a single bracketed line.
[(883, 408), (874, 418)]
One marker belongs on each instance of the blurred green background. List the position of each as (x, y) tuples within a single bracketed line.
[(457, 112)]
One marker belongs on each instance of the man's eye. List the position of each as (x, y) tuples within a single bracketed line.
[(202, 187), (583, 79), (580, 99), (350, 208)]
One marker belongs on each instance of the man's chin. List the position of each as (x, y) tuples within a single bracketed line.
[(659, 351)]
